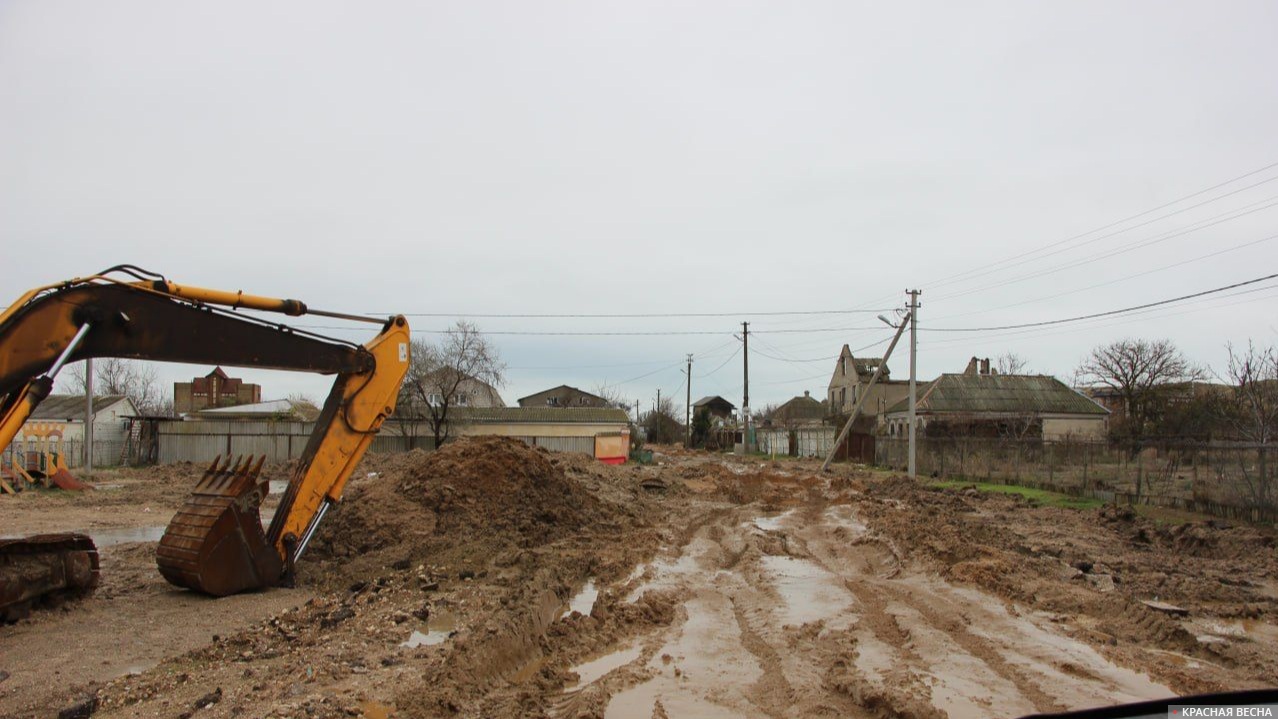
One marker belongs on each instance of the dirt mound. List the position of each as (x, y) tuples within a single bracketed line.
[(498, 496)]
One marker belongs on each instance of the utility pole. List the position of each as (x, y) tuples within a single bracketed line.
[(745, 402), (856, 409), (88, 415), (914, 353), (687, 410)]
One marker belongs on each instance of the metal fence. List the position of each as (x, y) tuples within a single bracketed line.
[(106, 453), (800, 442), (1228, 480), (282, 441)]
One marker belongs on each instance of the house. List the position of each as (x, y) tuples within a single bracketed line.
[(215, 389), (470, 392), (981, 402), (57, 425), (850, 381), (563, 396), (286, 410), (715, 406), (800, 411)]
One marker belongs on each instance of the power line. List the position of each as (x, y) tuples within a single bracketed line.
[(1121, 249), (1143, 316), (1118, 279), (633, 315), (1105, 314), (721, 366), (949, 279)]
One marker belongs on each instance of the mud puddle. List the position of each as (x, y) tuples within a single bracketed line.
[(438, 628), (592, 670), (583, 602)]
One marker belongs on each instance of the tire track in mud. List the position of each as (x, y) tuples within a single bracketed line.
[(986, 652), (772, 692)]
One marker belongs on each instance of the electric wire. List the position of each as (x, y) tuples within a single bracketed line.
[(1123, 310)]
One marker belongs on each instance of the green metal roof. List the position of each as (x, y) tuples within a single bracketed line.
[(557, 415), (1001, 393)]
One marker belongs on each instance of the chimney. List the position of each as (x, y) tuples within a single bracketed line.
[(973, 367), (985, 366), (807, 393)]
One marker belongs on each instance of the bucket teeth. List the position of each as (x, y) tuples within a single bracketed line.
[(215, 543), (231, 479)]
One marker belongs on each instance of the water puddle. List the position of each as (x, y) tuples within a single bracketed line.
[(810, 592), (583, 602), (772, 524), (707, 653), (375, 710), (844, 515), (1235, 629), (438, 629), (590, 671), (111, 536)]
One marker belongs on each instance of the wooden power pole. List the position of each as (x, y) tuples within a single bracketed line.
[(856, 410)]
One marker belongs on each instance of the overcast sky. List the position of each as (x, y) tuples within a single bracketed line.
[(607, 157)]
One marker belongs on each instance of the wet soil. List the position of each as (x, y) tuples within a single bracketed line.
[(491, 579)]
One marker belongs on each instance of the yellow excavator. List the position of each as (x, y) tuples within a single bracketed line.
[(216, 543)]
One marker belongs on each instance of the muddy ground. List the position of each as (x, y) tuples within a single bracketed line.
[(490, 579)]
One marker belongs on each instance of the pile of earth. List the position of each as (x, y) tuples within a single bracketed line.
[(473, 502)]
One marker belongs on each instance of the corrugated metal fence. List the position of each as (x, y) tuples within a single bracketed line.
[(282, 441), (808, 441)]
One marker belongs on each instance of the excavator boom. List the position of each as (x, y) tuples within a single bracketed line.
[(216, 543)]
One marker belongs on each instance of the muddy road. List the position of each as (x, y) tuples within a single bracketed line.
[(489, 579)]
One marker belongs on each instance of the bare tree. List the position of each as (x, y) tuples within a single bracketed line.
[(612, 396), (448, 374), (1011, 363), (139, 381), (1142, 372), (1251, 409), (662, 424)]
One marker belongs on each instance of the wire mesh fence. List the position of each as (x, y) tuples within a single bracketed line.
[(1237, 481)]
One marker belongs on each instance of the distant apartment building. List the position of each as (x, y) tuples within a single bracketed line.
[(213, 390)]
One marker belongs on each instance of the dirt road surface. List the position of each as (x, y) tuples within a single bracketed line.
[(490, 579)]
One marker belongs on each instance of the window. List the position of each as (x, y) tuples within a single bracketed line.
[(434, 399), (552, 401), (461, 399)]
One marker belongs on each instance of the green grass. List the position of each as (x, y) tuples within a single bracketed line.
[(1037, 497)]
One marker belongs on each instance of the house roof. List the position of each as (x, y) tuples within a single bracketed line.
[(562, 386), (71, 406), (1003, 393), (556, 415), (271, 408), (804, 406), (707, 400)]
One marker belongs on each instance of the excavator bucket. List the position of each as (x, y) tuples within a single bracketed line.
[(215, 543)]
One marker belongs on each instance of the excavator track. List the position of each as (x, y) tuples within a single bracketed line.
[(45, 569)]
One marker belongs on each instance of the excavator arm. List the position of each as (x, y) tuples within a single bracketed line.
[(215, 544)]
